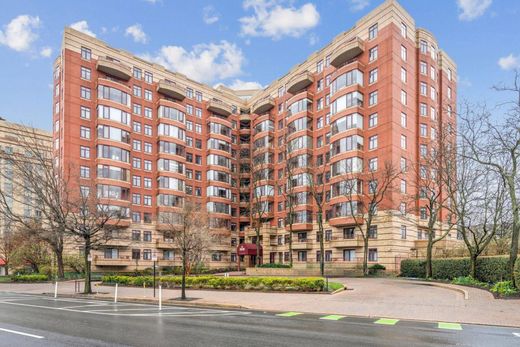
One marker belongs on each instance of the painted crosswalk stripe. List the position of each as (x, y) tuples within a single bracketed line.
[(449, 326), (516, 334), (332, 317), (386, 321), (289, 314)]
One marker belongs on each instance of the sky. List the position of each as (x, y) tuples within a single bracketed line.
[(240, 43)]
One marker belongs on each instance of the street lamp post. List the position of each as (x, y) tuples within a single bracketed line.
[(154, 258)]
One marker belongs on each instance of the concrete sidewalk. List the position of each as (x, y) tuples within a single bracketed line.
[(367, 297)]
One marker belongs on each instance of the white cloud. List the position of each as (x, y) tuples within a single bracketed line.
[(238, 84), (46, 52), (153, 2), (472, 9), (82, 26), (509, 62), (137, 33), (313, 39), (358, 5), (20, 33), (210, 15), (205, 62), (270, 19)]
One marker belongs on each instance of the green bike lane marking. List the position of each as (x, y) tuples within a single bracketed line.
[(449, 326), (332, 317), (289, 314), (386, 321)]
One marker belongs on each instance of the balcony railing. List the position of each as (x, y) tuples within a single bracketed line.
[(219, 107), (171, 90), (114, 68), (346, 52), (299, 82), (263, 105)]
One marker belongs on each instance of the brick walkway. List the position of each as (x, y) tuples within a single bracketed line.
[(373, 297)]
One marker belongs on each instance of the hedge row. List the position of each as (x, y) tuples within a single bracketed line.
[(275, 266), (489, 269), (309, 284), (30, 278)]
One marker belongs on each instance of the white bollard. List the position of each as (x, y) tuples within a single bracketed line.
[(160, 297), (56, 290), (115, 295)]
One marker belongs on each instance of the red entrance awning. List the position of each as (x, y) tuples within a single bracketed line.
[(2, 262), (247, 249)]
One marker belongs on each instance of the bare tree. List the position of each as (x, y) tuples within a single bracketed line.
[(8, 245), (496, 144), (33, 198), (30, 251), (260, 206), (363, 203), (189, 230), (91, 222), (477, 198), (315, 177)]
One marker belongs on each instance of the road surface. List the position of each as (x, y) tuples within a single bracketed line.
[(37, 320)]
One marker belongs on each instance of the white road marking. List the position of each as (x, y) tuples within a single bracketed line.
[(21, 333), (516, 334)]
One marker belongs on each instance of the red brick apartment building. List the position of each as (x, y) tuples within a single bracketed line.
[(149, 138)]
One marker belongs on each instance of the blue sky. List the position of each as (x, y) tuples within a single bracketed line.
[(240, 43)]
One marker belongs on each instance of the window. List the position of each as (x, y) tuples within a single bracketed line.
[(403, 120), (136, 199), (402, 208), (189, 109), (403, 75), (423, 150), (403, 187), (136, 145), (403, 141), (424, 89), (198, 96), (85, 73), (449, 93), (302, 255), (147, 254), (147, 201), (86, 53), (423, 67), (148, 130), (433, 93), (423, 110), (147, 147), (198, 112), (403, 164), (148, 95), (136, 254), (372, 76), (137, 91), (148, 165), (422, 213), (372, 164), (372, 98), (84, 112), (136, 181), (136, 217), (372, 54), (84, 172), (423, 130), (450, 74), (137, 127), (404, 53), (84, 152), (85, 93), (372, 32), (319, 104), (136, 163), (138, 73), (432, 73), (423, 46), (148, 112), (372, 254), (349, 255), (433, 133), (319, 66), (403, 97), (372, 232), (433, 114), (372, 142), (148, 77), (84, 132), (136, 109), (404, 29), (372, 120), (403, 232), (198, 128)]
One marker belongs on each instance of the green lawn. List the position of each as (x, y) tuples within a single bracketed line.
[(5, 279), (334, 286)]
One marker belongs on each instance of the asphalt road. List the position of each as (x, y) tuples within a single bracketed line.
[(34, 320)]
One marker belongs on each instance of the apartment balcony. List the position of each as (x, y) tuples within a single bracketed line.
[(121, 261), (301, 245), (219, 107), (224, 247), (163, 244), (114, 68), (263, 105), (345, 243), (171, 90), (299, 82), (346, 52), (118, 242)]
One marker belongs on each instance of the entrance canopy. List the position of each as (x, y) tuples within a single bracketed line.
[(247, 249)]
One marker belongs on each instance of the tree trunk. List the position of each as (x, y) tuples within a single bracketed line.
[(257, 262), (473, 265), (429, 251), (6, 269), (59, 263), (514, 234), (322, 246), (365, 254), (290, 243), (183, 281), (88, 275)]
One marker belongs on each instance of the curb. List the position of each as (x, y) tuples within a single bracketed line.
[(443, 285)]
